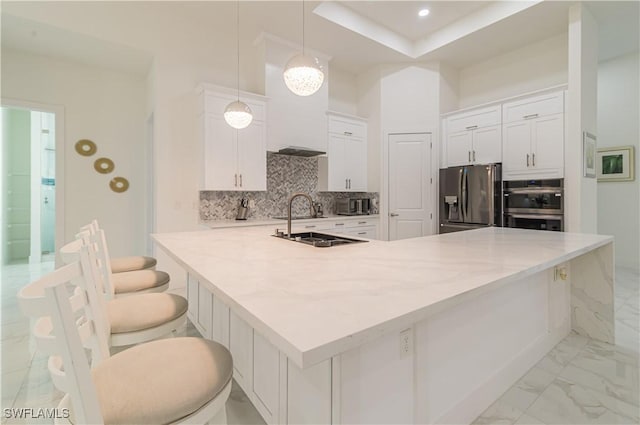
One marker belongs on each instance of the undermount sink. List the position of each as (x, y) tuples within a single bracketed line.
[(306, 217), (319, 240)]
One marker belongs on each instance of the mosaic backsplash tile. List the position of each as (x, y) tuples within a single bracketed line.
[(285, 175)]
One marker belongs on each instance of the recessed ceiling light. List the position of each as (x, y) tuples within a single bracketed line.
[(423, 13)]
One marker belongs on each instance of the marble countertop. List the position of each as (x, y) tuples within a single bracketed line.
[(223, 224), (314, 303)]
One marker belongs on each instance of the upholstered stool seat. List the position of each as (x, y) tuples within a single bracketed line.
[(145, 311), (161, 381), (129, 283), (129, 264)]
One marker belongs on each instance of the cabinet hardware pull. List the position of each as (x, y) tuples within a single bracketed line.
[(362, 233), (533, 159), (309, 227), (240, 180), (469, 152), (339, 224), (362, 222), (474, 156), (349, 183), (348, 133), (393, 214), (471, 127), (346, 183), (527, 160), (236, 183), (528, 117)]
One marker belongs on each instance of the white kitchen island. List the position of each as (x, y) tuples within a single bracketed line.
[(425, 330)]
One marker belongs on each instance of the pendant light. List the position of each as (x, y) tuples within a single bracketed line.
[(238, 114), (303, 74)]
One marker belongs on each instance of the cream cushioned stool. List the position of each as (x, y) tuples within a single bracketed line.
[(133, 319), (129, 264), (124, 264), (178, 380), (139, 281)]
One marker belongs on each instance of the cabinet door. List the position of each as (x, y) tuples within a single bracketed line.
[(241, 348), (336, 163), (548, 143), (220, 322), (367, 232), (220, 154), (355, 153), (516, 146), (266, 379), (487, 145), (252, 157), (459, 147), (192, 298), (205, 310)]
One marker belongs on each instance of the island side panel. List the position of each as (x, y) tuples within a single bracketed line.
[(592, 298)]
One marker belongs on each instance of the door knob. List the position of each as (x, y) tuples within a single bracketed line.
[(393, 214)]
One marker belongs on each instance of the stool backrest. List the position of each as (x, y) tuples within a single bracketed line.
[(66, 323)]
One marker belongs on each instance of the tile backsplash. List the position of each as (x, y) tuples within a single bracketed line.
[(285, 175)]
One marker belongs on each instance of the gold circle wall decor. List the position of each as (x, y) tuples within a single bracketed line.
[(104, 165), (86, 147), (119, 184)]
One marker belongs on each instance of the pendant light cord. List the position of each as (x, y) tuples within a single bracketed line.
[(302, 27), (238, 45)]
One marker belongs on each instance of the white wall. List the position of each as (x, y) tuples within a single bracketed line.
[(618, 112), (343, 91), (369, 100), (532, 67), (581, 195), (106, 107)]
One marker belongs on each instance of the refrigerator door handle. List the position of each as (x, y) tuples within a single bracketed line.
[(461, 200), (464, 195), (491, 189)]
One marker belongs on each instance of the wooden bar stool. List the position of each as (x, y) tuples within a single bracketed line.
[(177, 380)]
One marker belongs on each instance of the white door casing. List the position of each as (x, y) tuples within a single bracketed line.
[(410, 185)]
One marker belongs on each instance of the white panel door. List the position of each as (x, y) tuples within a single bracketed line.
[(220, 154), (459, 146), (547, 135), (487, 145), (252, 157), (516, 146), (356, 164), (336, 152), (410, 209)]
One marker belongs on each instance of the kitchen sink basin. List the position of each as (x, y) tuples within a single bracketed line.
[(320, 240)]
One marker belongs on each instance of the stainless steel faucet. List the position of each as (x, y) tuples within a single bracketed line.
[(312, 210)]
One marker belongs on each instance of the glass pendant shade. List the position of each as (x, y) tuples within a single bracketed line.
[(303, 75), (238, 115)]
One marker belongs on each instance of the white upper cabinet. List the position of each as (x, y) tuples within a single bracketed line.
[(232, 159), (473, 137), (344, 169), (533, 145)]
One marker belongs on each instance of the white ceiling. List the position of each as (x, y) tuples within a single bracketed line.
[(53, 28)]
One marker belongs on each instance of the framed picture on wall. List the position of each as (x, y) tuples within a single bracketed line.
[(588, 155), (615, 164)]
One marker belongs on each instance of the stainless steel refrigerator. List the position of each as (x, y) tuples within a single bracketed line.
[(470, 197)]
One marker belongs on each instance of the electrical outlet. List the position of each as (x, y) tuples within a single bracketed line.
[(406, 342), (252, 203)]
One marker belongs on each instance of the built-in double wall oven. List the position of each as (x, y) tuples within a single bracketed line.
[(534, 204)]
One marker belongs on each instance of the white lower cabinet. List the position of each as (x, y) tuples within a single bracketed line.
[(266, 379), (309, 394), (241, 347)]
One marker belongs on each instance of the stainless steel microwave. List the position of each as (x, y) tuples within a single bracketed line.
[(353, 206)]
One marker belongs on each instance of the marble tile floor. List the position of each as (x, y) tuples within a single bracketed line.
[(581, 381)]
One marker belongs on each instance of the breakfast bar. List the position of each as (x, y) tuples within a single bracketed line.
[(423, 330)]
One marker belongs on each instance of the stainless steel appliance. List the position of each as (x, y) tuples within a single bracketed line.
[(534, 204), (470, 197), (353, 206)]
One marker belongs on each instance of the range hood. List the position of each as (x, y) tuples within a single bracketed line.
[(299, 151)]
